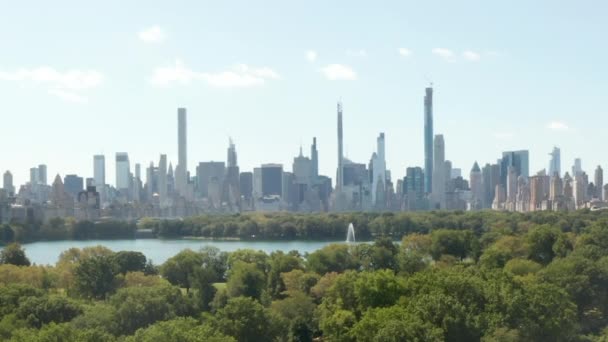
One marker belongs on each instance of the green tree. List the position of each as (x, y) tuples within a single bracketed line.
[(459, 244), (246, 320), (15, 255), (394, 324), (139, 307), (37, 311), (129, 261), (332, 258), (179, 269), (279, 263), (178, 329), (246, 280), (95, 277)]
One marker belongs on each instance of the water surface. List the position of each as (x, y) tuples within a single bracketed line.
[(159, 250)]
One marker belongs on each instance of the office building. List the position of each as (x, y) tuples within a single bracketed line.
[(438, 179), (598, 181), (314, 157), (555, 163), (577, 168), (123, 172), (340, 171), (519, 160), (272, 179), (428, 140), (42, 176), (181, 170), (7, 183), (209, 173), (73, 185), (477, 190), (99, 171)]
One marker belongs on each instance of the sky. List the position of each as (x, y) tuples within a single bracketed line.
[(83, 78)]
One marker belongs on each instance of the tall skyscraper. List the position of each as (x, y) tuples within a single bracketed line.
[(428, 140), (34, 176), (314, 156), (99, 171), (302, 170), (73, 184), (476, 183), (232, 190), (378, 170), (42, 176), (181, 171), (272, 180), (577, 168), (520, 160), (340, 174), (7, 183), (162, 180), (232, 159), (491, 178), (598, 181), (438, 179), (123, 171), (555, 164)]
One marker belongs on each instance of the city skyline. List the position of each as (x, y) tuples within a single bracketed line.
[(494, 91)]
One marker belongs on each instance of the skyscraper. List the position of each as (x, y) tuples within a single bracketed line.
[(438, 179), (162, 179), (599, 182), (232, 190), (99, 171), (520, 162), (42, 177), (7, 183), (378, 170), (577, 168), (555, 164), (428, 140), (181, 171), (123, 171), (272, 179), (73, 184), (314, 156), (476, 183), (340, 174), (34, 176), (232, 160)]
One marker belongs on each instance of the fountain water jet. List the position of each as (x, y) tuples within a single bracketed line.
[(350, 234)]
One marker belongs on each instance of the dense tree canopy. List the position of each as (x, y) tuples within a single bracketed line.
[(451, 277)]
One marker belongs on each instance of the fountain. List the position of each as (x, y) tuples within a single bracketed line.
[(350, 234)]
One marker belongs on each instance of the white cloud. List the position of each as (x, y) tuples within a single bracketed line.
[(446, 54), (311, 55), (471, 56), (71, 79), (239, 76), (404, 52), (66, 85), (152, 34), (335, 72), (68, 96), (558, 126), (357, 53)]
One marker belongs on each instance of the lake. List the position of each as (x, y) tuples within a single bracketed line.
[(159, 250)]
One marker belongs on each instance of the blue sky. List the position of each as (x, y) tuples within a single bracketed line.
[(78, 79)]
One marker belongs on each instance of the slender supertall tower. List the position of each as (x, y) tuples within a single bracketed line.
[(314, 156), (182, 161), (162, 179), (232, 160), (340, 150), (428, 140)]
